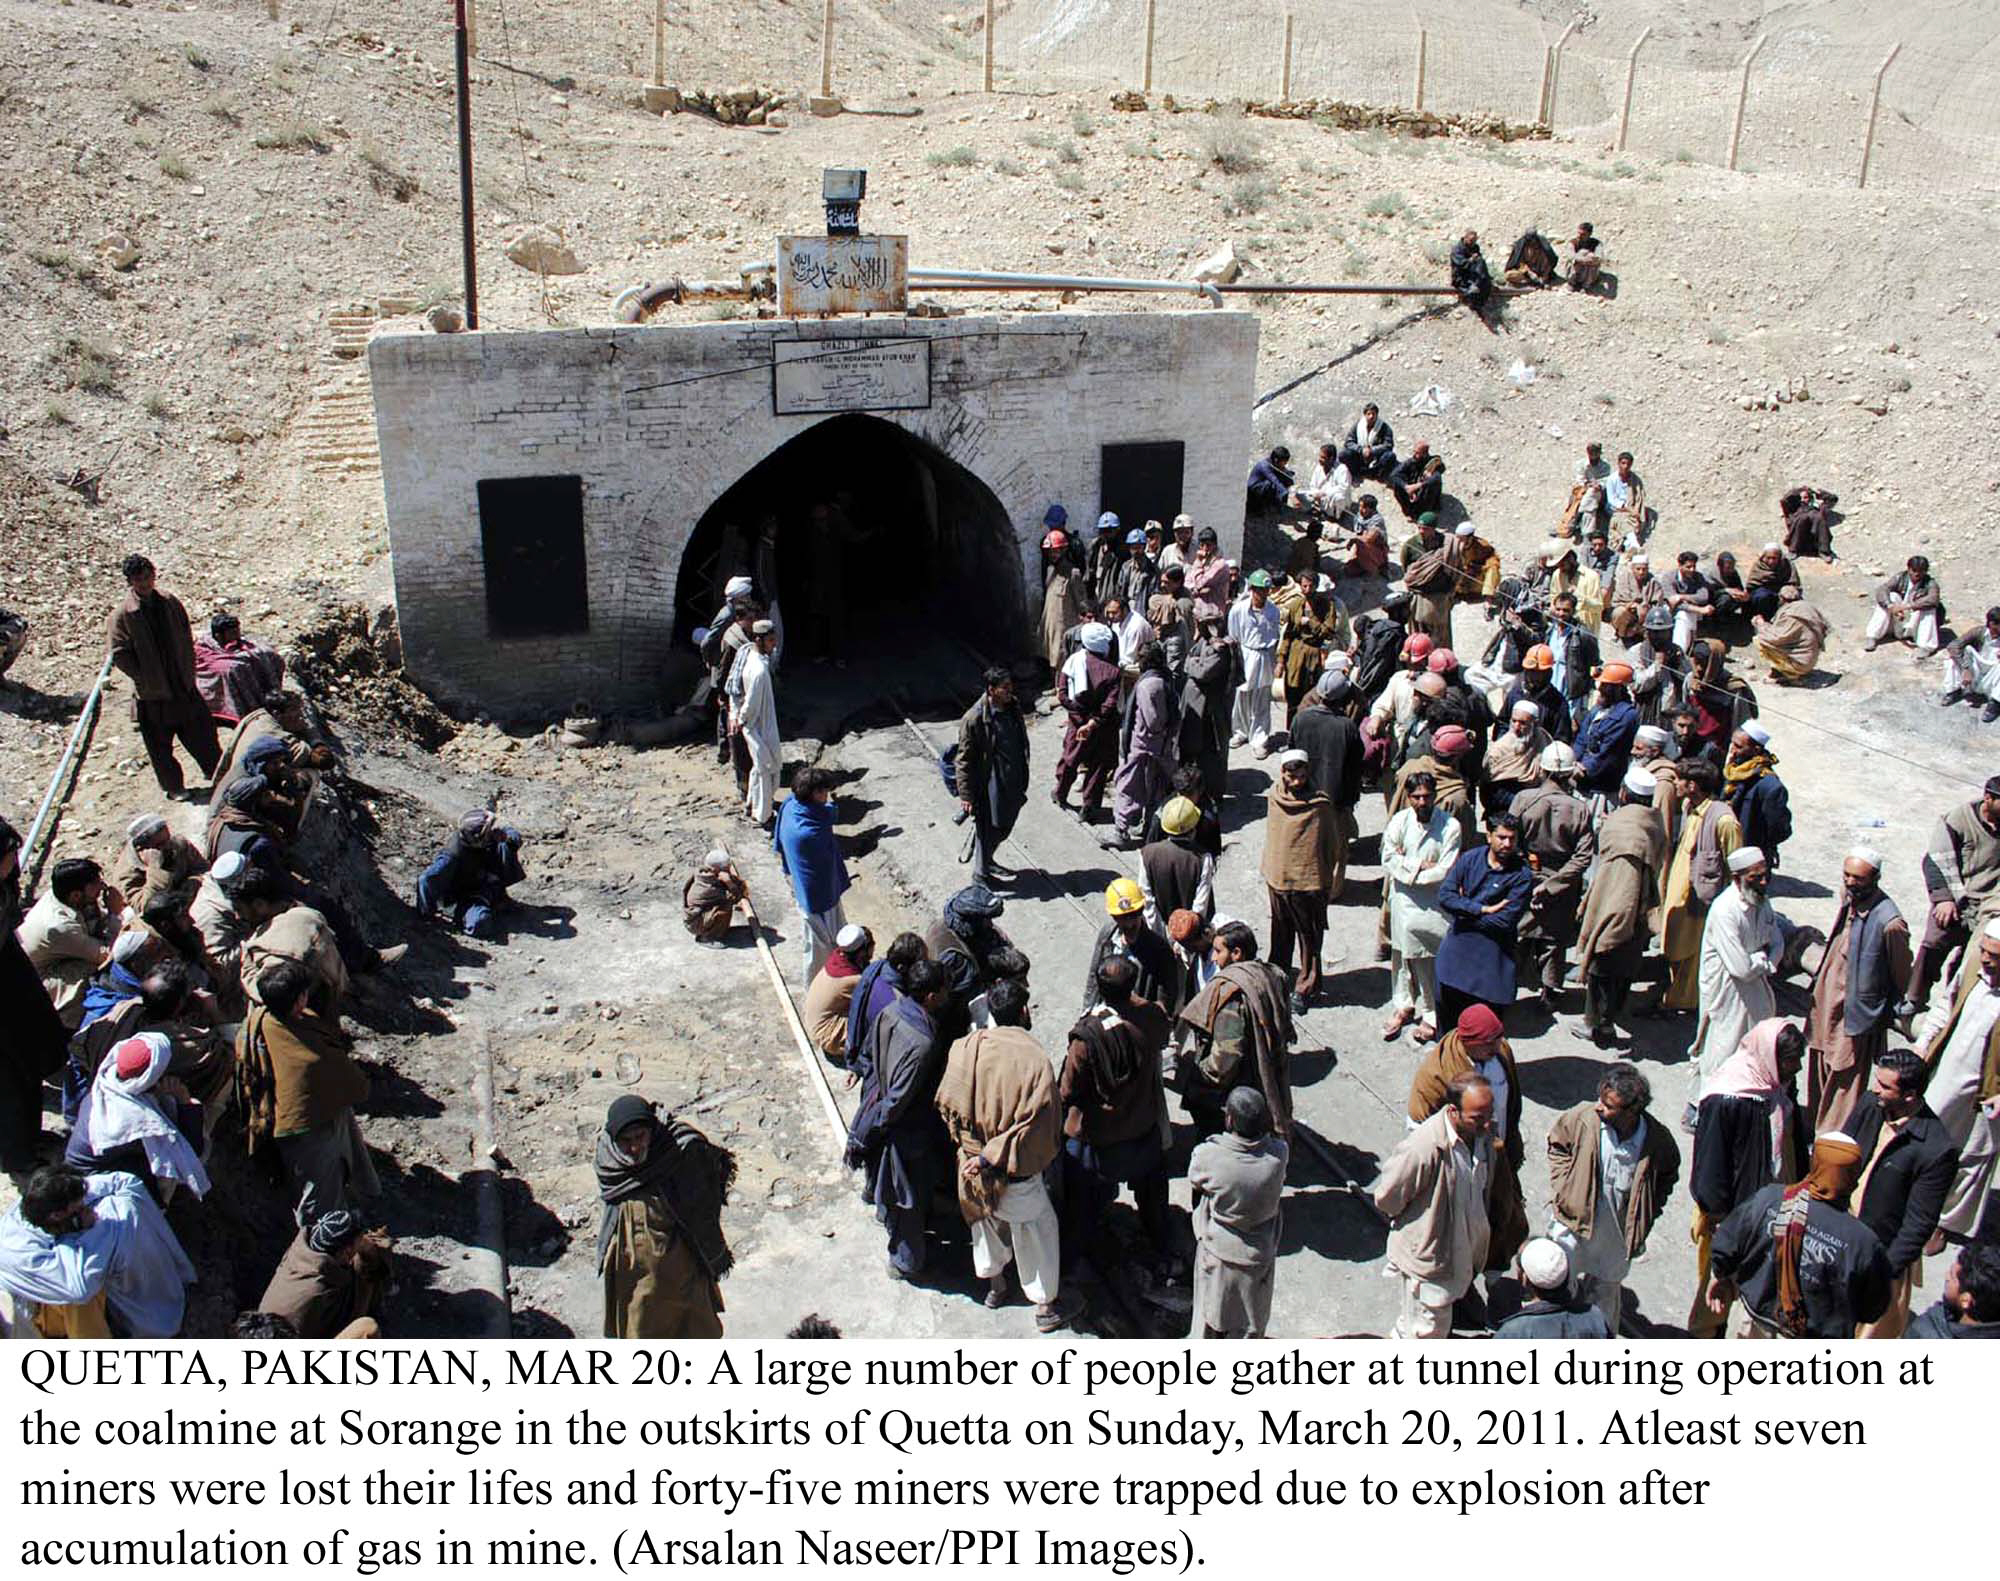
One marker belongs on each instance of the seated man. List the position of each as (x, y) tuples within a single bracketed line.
[(1806, 513), (1689, 596), (1331, 488), (712, 897), (332, 1277), (1970, 1307), (1370, 448), (13, 638), (1909, 607), (1470, 277), (93, 1258), (156, 861), (470, 876), (1531, 261), (280, 716), (831, 994), (1370, 540), (68, 934), (1731, 607), (232, 673), (1270, 482), (1791, 641), (1971, 670), (1587, 506), (1625, 498), (1770, 574), (140, 1121), (1418, 482), (1586, 258), (163, 1003)]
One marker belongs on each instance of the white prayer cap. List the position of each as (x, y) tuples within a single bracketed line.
[(129, 944), (1097, 638), (716, 858), (1463, 530), (1757, 733), (737, 587), (1868, 854), (1524, 710), (851, 937), (228, 865), (1544, 1264), (1772, 548), (144, 827), (1296, 755), (1638, 556), (1340, 661), (1640, 783), (1745, 857), (1557, 758), (761, 628), (1654, 735), (1993, 930)]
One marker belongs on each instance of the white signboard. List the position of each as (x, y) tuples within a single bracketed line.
[(850, 376), (842, 274)]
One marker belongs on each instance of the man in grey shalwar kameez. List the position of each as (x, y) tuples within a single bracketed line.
[(1238, 1180), (1147, 756)]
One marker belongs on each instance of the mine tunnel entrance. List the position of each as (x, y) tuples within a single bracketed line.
[(879, 544)]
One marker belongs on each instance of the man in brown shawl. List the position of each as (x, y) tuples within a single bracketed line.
[(1699, 872), (998, 1100), (331, 1279), (1863, 975), (281, 717), (660, 1246), (296, 1074), (713, 895), (1114, 1114), (154, 861), (1301, 865), (152, 643), (1790, 641), (1478, 1046), (1617, 917), (1236, 1032), (1514, 760)]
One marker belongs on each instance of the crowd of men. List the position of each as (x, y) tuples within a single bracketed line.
[(1594, 803), (183, 994)]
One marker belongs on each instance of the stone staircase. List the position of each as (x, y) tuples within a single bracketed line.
[(337, 433)]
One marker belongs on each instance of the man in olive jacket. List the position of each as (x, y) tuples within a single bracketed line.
[(1611, 1169)]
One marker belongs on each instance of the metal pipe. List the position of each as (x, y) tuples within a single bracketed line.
[(66, 766), (1631, 71), (1743, 100), (1553, 75), (465, 169), (1875, 109)]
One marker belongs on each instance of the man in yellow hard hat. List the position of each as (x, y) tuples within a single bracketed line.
[(1175, 873), (1128, 935)]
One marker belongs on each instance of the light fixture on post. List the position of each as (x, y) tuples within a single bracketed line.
[(843, 191)]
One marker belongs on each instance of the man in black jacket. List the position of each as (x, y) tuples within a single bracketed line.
[(1907, 1169), (992, 771), (1327, 734), (1971, 1305)]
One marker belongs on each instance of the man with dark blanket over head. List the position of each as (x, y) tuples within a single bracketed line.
[(660, 1246)]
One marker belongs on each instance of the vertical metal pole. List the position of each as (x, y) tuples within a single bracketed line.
[(1548, 77), (461, 7), (989, 46), (1742, 101), (471, 27), (1631, 71), (1875, 109), (1285, 71), (1555, 73), (826, 54), (1146, 83), (1423, 63), (659, 42)]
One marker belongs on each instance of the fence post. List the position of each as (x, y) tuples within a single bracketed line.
[(1285, 72), (471, 30), (826, 54), (271, 9), (1548, 72), (1552, 76), (1742, 100), (1146, 84), (1423, 62), (989, 46), (1874, 109), (1631, 71), (659, 41)]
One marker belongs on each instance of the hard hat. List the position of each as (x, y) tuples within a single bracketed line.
[(1442, 661), (1179, 816), (1558, 758), (1122, 899), (1540, 657), (1055, 540), (1616, 673)]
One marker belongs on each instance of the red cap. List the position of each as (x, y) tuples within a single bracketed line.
[(132, 1058), (1478, 1024), (1450, 741), (1055, 538)]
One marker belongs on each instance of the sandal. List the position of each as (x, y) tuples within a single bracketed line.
[(1393, 1027), (1426, 1033)]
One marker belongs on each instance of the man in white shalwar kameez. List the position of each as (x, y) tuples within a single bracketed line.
[(757, 721), (1418, 850), (94, 1235), (1740, 951), (1958, 1039), (1254, 626)]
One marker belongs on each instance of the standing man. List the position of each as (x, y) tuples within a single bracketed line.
[(1908, 1165), (1617, 914), (999, 1106), (1961, 1044), (896, 1137), (992, 771), (1605, 735), (1147, 733), (1087, 688), (1863, 975), (1238, 1183), (809, 851), (1237, 1031), (1755, 793), (1710, 835), (1419, 849), (1433, 1190), (1301, 840), (1127, 936), (1175, 873), (1611, 1171), (1255, 626), (1740, 951), (1485, 896), (1557, 1309), (1477, 1046), (756, 722), (1113, 1113), (1906, 606), (152, 643), (1962, 879), (1561, 847)]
